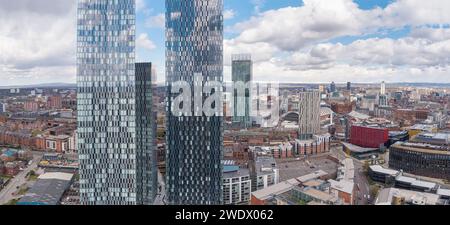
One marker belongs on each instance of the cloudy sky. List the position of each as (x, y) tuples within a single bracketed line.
[(290, 40)]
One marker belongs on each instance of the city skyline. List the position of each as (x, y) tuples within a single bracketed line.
[(220, 102), (316, 49)]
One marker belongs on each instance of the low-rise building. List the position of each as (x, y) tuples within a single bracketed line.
[(379, 174), (236, 184), (344, 190), (48, 189), (263, 172), (394, 196), (266, 196)]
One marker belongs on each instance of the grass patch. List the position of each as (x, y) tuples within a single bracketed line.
[(32, 176), (23, 191), (12, 202), (5, 177)]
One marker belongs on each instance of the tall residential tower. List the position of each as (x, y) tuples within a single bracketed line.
[(107, 132), (194, 47), (242, 74), (309, 114), (146, 161)]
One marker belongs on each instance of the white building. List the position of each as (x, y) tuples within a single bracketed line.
[(3, 107), (264, 173), (237, 185)]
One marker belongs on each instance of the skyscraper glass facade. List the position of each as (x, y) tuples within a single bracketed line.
[(194, 45), (106, 102), (146, 174), (241, 72)]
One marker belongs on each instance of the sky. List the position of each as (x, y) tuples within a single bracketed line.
[(309, 41)]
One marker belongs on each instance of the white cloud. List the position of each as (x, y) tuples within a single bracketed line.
[(143, 41), (228, 14), (141, 5), (292, 43), (157, 21), (37, 37)]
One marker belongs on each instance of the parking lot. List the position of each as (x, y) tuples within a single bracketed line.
[(291, 168)]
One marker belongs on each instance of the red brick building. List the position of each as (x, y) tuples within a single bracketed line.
[(31, 106), (54, 102), (368, 137)]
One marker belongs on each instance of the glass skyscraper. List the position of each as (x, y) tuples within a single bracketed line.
[(146, 174), (194, 45), (107, 139), (241, 72)]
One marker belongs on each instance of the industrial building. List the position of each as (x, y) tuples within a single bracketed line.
[(48, 189)]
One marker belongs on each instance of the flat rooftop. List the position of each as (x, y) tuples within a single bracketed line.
[(380, 169), (312, 176), (323, 196), (386, 196), (358, 149), (276, 189), (48, 189), (289, 169), (423, 148), (344, 186)]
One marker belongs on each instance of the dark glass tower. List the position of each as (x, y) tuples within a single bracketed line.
[(146, 159), (241, 72), (194, 45)]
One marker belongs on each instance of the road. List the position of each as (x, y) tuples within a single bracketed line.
[(161, 196), (6, 194), (362, 184)]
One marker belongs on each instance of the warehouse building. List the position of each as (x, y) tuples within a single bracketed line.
[(48, 189)]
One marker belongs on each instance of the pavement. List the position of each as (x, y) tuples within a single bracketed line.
[(6, 194)]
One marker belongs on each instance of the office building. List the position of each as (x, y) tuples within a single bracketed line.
[(423, 159), (309, 114), (332, 87), (194, 46), (349, 86), (106, 102), (242, 73)]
